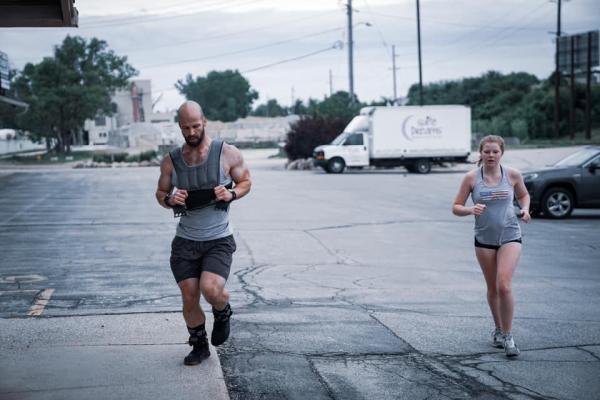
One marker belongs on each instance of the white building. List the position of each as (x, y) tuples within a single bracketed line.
[(133, 123)]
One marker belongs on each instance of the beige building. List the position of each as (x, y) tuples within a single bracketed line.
[(252, 129)]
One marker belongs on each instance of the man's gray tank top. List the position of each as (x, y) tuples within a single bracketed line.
[(206, 223), (498, 224)]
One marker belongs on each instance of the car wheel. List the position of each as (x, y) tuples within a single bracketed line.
[(557, 203), (336, 166), (422, 166)]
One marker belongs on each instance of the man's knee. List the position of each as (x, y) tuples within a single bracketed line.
[(212, 292), (191, 297)]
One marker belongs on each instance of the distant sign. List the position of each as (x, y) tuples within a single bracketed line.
[(580, 43), (4, 82)]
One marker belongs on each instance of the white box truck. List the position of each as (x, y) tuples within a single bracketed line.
[(411, 136)]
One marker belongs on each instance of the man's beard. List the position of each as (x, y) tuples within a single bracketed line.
[(194, 141)]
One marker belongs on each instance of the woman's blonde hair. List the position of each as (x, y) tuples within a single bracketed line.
[(490, 139)]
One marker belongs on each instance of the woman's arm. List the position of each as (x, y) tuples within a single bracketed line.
[(521, 194), (459, 208)]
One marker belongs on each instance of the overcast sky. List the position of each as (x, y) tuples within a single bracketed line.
[(169, 39)]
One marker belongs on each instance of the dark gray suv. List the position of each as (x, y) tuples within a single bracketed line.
[(573, 182)]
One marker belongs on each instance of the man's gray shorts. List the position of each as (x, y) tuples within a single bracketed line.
[(190, 258)]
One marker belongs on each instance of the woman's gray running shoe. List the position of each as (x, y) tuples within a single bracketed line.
[(497, 338), (510, 348)]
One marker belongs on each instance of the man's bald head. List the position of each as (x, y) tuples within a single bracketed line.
[(190, 109), (191, 123)]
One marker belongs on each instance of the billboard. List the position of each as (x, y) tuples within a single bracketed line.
[(4, 82), (580, 43)]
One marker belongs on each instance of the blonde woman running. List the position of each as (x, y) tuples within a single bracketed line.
[(497, 232)]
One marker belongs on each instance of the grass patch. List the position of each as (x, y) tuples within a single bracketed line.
[(49, 158)]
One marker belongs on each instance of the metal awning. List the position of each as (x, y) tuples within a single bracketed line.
[(38, 13)]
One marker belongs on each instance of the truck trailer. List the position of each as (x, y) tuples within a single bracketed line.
[(414, 137)]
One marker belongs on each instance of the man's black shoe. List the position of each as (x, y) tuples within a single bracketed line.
[(199, 351), (220, 331)]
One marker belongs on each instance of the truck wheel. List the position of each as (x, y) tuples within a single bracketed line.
[(422, 166), (557, 203), (336, 166)]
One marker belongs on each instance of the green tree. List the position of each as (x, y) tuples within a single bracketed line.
[(8, 112), (223, 95), (270, 109), (64, 90), (338, 106), (298, 108)]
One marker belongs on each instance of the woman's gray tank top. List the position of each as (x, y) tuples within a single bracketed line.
[(207, 223), (498, 224)]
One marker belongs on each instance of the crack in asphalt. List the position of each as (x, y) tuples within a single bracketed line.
[(445, 370), (589, 351), (321, 379), (507, 387), (341, 259)]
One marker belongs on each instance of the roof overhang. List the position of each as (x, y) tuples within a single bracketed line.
[(38, 13), (13, 102)]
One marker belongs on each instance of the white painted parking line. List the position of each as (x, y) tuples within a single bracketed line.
[(41, 301)]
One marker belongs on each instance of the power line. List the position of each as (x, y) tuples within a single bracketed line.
[(383, 41), (142, 20), (230, 34), (243, 50), (492, 39), (336, 45), (217, 36), (120, 17), (494, 27)]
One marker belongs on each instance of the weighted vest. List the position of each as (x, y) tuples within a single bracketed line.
[(199, 180)]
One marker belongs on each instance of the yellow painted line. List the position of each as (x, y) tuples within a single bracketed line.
[(41, 301)]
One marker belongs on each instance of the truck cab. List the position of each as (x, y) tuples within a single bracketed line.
[(349, 149)]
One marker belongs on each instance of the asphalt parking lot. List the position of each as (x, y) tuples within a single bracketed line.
[(361, 285)]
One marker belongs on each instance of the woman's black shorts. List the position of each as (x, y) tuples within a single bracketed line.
[(493, 246)]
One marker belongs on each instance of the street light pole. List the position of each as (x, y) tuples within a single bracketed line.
[(350, 52), (394, 72), (419, 45), (557, 77)]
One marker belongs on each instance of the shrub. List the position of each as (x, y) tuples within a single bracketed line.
[(310, 132), (108, 158)]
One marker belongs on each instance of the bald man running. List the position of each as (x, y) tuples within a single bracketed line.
[(207, 175)]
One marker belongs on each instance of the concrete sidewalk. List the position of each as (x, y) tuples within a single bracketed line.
[(133, 356)]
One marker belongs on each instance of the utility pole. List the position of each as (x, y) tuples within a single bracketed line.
[(419, 45), (588, 89), (557, 77), (330, 83), (572, 99), (350, 49), (394, 72)]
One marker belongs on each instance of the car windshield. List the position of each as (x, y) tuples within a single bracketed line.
[(340, 139), (577, 158), (359, 123)]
